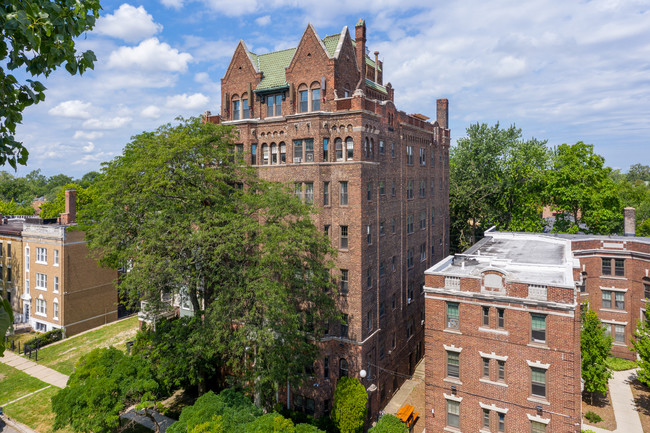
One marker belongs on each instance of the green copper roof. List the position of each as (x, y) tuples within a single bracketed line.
[(272, 66), (331, 42), (376, 86)]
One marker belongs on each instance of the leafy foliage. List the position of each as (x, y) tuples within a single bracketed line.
[(389, 424), (105, 382), (53, 209), (44, 339), (12, 208), (181, 351), (496, 178), (595, 346), (6, 321), (350, 399), (593, 417), (579, 186), (641, 344), (232, 411), (188, 218), (37, 35), (620, 364)]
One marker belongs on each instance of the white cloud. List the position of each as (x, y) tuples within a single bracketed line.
[(174, 4), (91, 135), (113, 123), (74, 108), (128, 23), (263, 21), (188, 102), (89, 147), (151, 112), (93, 158), (150, 55)]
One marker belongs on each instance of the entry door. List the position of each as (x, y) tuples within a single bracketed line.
[(26, 312)]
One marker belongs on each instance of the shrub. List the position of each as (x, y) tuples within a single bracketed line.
[(619, 364), (44, 339), (593, 417)]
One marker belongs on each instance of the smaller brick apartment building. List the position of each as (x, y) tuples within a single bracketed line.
[(321, 118), (51, 279), (502, 337)]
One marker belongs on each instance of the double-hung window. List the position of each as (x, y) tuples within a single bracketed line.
[(41, 255), (326, 193), (538, 382), (344, 238), (453, 413), (41, 281), (315, 99), (486, 316), (613, 299), (304, 100), (343, 201), (453, 321), (453, 364), (344, 282), (538, 328)]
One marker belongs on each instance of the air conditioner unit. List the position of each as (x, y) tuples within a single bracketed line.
[(297, 159), (408, 301)]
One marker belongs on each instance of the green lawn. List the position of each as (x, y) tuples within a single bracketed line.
[(35, 411), (619, 364), (63, 355), (14, 384)]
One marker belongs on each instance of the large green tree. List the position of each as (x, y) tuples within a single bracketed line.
[(350, 400), (186, 217), (595, 345), (641, 344), (36, 37), (496, 178), (55, 207), (580, 188), (105, 383), (6, 320)]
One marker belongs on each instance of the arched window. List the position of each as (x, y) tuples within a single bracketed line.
[(365, 147), (315, 97), (371, 149), (236, 107), (339, 149), (350, 146), (265, 154), (343, 367), (303, 98), (283, 153), (246, 112), (274, 153)]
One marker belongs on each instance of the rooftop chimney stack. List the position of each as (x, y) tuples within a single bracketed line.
[(442, 113), (360, 41), (70, 214), (376, 66), (629, 215)]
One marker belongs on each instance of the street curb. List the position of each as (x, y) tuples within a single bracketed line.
[(16, 425)]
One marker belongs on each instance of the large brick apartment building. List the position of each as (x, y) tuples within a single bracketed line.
[(320, 117), (503, 337)]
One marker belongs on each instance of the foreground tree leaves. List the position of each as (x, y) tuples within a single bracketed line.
[(37, 35)]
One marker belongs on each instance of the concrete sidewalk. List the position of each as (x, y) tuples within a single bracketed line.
[(38, 371), (627, 416)]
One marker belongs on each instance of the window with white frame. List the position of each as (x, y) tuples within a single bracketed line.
[(453, 364), (41, 281), (613, 299), (616, 331), (453, 413), (55, 309), (56, 284), (27, 259), (41, 255), (41, 307)]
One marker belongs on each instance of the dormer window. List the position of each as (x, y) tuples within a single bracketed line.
[(274, 105), (303, 100), (315, 98), (246, 112), (236, 104)]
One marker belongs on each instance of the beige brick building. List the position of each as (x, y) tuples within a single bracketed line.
[(54, 282), (320, 117)]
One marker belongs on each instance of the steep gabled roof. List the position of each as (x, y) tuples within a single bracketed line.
[(273, 67)]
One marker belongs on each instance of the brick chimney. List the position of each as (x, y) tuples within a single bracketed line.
[(360, 41), (629, 223), (70, 214), (442, 113)]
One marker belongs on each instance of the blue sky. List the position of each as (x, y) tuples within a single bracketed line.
[(564, 71)]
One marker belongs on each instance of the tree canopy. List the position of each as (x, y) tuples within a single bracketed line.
[(37, 36), (187, 218), (105, 382), (389, 423), (350, 400), (6, 320), (595, 345), (641, 344)]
